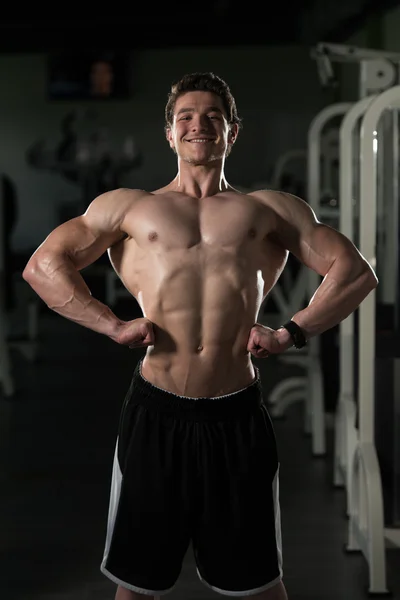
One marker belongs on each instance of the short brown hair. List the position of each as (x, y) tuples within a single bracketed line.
[(202, 82)]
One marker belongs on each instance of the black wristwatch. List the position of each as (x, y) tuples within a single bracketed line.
[(298, 337)]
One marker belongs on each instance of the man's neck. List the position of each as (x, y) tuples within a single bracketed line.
[(200, 181)]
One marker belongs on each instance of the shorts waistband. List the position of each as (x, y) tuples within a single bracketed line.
[(245, 400)]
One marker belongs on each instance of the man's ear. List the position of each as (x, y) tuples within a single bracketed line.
[(233, 133), (168, 135)]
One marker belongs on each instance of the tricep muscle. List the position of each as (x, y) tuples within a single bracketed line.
[(84, 239)]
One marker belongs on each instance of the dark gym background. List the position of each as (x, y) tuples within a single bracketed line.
[(57, 433)]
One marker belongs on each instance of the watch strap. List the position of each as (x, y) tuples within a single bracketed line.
[(296, 333)]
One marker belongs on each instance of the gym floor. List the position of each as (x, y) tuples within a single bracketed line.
[(57, 437)]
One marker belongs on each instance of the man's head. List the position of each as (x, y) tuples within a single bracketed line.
[(201, 107)]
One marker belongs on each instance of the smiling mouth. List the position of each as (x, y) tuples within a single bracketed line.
[(199, 141)]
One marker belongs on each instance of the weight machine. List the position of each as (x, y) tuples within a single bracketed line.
[(378, 71), (367, 532), (356, 462), (345, 418), (309, 387)]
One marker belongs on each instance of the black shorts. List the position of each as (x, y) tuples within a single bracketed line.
[(199, 470)]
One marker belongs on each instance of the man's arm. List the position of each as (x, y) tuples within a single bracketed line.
[(53, 269), (347, 277)]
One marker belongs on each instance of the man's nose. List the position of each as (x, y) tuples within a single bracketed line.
[(200, 123)]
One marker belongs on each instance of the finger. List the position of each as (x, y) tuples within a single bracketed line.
[(149, 339), (140, 344), (260, 352), (252, 344), (143, 343), (148, 334)]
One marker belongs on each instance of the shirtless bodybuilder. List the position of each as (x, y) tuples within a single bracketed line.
[(195, 458)]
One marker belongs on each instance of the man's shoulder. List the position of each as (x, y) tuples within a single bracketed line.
[(120, 197), (112, 207), (270, 199), (281, 202), (127, 194), (270, 196)]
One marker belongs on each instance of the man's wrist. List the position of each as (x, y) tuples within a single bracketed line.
[(284, 338), (112, 324), (296, 333)]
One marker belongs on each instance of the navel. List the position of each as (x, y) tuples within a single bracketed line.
[(252, 232)]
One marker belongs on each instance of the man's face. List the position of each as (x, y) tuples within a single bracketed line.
[(200, 133)]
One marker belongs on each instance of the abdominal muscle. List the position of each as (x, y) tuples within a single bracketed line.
[(202, 316)]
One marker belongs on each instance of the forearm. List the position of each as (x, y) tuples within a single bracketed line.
[(61, 286), (344, 287)]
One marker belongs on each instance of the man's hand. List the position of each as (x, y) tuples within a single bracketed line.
[(138, 333), (264, 341)]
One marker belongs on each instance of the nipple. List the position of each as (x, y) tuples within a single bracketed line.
[(252, 232), (153, 236)]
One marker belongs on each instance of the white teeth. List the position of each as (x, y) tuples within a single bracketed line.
[(199, 141)]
